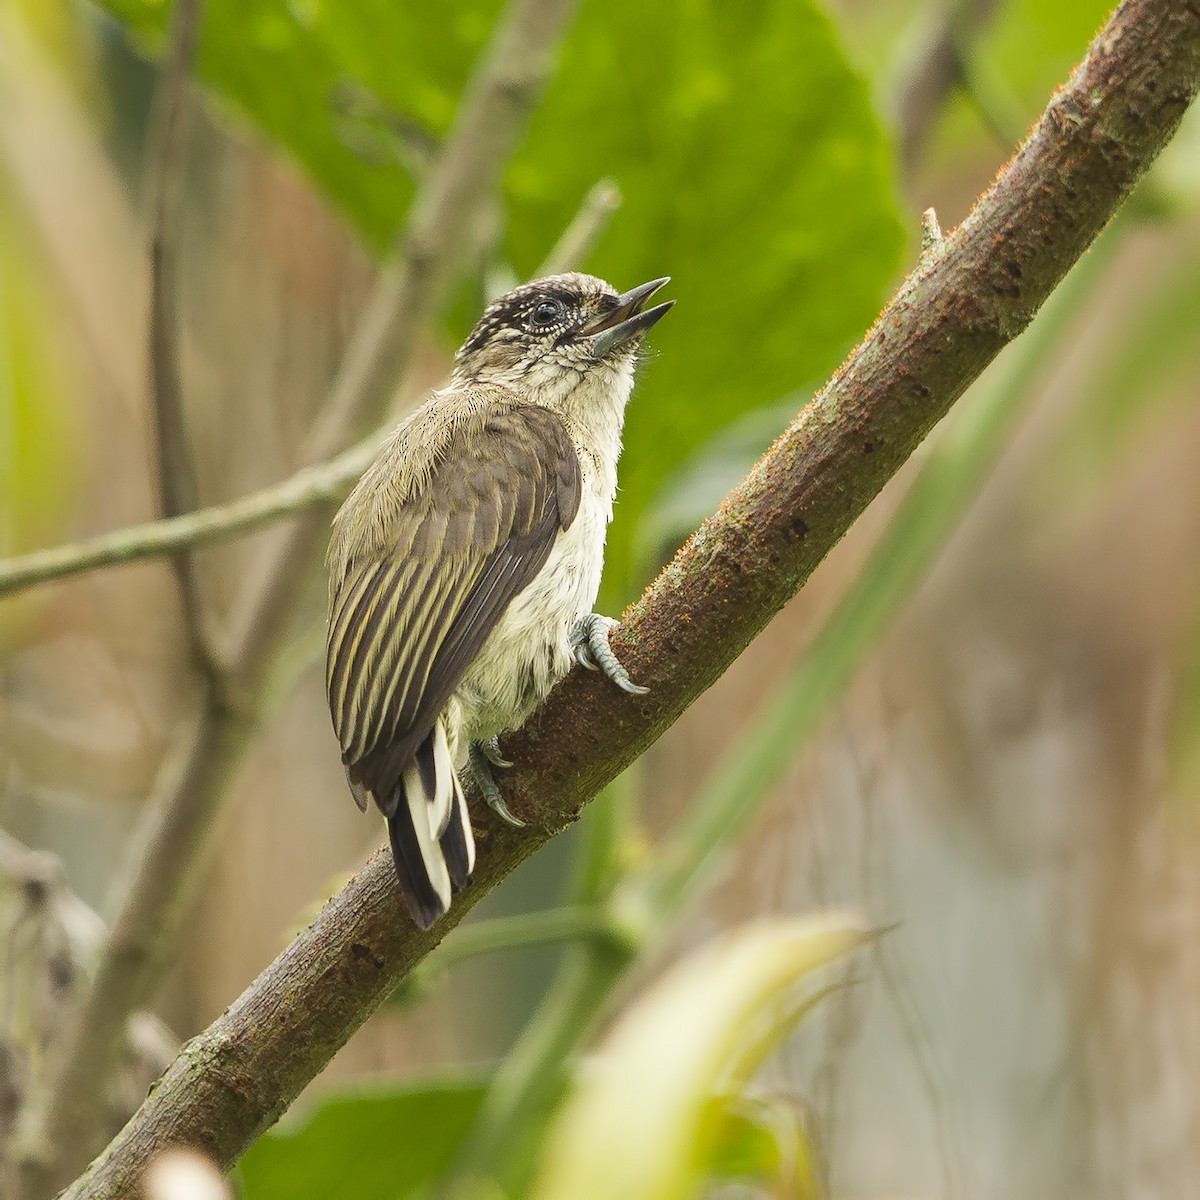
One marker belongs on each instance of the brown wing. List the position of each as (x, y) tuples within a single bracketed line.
[(404, 628)]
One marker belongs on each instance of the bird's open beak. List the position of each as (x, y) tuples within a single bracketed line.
[(628, 319)]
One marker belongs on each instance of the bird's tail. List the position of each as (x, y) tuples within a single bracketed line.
[(432, 844)]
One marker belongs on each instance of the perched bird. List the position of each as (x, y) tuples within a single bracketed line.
[(464, 565)]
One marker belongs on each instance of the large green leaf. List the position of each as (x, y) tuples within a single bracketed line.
[(345, 88), (372, 1144), (753, 170)]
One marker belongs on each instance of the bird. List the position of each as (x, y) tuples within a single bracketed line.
[(465, 564)]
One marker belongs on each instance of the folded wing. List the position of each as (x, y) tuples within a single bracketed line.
[(407, 621)]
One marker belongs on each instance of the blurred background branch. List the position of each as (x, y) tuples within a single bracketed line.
[(933, 69), (177, 488), (579, 238), (961, 306)]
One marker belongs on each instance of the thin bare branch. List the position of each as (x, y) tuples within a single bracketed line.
[(312, 486), (179, 823), (946, 323)]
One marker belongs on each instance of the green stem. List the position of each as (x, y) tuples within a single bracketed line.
[(570, 923), (531, 1077)]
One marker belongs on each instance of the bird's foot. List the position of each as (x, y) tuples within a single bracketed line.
[(481, 757), (590, 643)]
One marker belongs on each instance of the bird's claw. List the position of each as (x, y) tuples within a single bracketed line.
[(479, 760), (490, 748), (592, 650)]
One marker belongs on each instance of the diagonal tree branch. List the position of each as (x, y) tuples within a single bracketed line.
[(970, 295), (950, 476), (59, 1134)]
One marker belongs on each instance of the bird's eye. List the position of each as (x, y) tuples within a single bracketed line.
[(547, 312)]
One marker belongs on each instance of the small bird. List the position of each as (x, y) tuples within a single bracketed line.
[(464, 565)]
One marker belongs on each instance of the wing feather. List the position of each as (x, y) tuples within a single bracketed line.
[(341, 622), (347, 632)]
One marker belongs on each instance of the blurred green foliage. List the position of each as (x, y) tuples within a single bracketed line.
[(39, 412), (766, 1139), (1025, 50), (752, 167), (1129, 392), (1031, 48), (375, 1143)]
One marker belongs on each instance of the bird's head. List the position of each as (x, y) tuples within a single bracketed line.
[(555, 332)]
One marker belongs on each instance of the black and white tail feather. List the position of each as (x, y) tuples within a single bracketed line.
[(429, 827), (430, 831)]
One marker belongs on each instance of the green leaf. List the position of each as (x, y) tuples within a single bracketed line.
[(752, 166), (706, 1026), (372, 1144), (769, 1140)]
